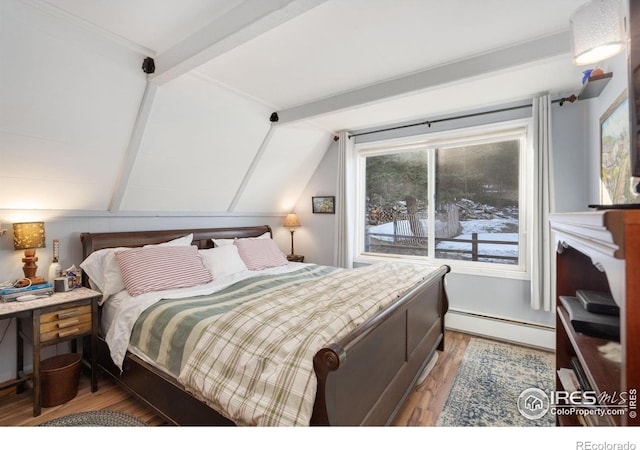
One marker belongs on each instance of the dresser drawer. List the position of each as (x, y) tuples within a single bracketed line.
[(65, 323)]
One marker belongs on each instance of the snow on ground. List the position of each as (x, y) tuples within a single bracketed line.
[(503, 229)]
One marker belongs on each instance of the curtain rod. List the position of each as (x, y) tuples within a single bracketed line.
[(570, 99)]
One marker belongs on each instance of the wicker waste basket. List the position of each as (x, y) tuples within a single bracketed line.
[(59, 376)]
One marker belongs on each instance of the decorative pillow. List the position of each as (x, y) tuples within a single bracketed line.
[(223, 260), (104, 272), (260, 254), (223, 242), (160, 268)]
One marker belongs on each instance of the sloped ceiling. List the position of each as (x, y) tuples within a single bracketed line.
[(83, 127)]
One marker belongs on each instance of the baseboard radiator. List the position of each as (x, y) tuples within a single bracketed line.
[(531, 335)]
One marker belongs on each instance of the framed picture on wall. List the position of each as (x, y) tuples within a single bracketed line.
[(615, 161), (324, 205)]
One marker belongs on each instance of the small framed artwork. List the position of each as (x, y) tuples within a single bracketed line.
[(324, 205), (615, 169)]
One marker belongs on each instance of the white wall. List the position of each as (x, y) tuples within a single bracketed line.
[(596, 108), (315, 238), (70, 95)]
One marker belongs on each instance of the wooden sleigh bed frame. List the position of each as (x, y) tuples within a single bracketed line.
[(363, 379)]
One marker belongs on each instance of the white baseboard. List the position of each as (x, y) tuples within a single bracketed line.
[(501, 329)]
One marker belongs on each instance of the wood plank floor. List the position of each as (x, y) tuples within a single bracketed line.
[(421, 409)]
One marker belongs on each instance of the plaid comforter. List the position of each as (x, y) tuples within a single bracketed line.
[(255, 363), (167, 331)]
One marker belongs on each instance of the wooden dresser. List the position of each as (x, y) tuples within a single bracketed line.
[(600, 251)]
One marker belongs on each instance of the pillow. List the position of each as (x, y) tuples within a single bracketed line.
[(184, 240), (223, 242), (223, 260), (104, 272), (260, 254), (94, 266), (161, 267)]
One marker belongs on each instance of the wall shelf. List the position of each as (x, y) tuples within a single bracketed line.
[(594, 86)]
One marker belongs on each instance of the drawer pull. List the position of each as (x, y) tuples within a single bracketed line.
[(68, 323), (68, 313), (63, 334)]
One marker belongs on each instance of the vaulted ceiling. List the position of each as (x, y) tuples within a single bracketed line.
[(83, 127)]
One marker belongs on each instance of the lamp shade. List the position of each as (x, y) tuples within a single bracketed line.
[(28, 235), (597, 31), (292, 221)]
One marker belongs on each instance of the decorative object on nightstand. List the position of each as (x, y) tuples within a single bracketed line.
[(292, 222), (295, 258), (55, 269), (29, 236), (597, 31)]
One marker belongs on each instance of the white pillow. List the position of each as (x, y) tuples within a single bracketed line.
[(223, 242), (223, 260), (181, 241), (94, 266)]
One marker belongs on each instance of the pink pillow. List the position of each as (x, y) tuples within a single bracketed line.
[(259, 254), (159, 268)]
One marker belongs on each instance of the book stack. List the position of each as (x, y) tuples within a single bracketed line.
[(574, 380), (593, 313), (12, 294)]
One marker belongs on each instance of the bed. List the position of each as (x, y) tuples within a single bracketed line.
[(360, 377)]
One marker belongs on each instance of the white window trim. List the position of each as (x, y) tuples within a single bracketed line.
[(520, 128)]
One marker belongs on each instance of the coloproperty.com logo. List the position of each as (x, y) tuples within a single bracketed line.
[(534, 403)]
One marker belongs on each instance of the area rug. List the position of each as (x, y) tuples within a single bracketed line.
[(491, 377), (102, 418)]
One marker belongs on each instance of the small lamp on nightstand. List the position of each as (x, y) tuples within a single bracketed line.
[(292, 222), (29, 236)]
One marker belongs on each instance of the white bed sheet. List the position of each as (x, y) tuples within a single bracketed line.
[(120, 312)]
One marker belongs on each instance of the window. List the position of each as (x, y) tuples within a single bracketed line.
[(455, 199)]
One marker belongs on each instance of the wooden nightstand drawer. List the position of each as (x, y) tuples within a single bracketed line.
[(65, 323), (66, 332), (63, 314)]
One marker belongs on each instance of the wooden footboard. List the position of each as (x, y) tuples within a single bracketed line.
[(365, 378)]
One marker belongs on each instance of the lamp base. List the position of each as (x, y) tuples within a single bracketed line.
[(30, 267)]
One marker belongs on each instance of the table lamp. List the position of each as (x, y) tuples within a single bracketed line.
[(292, 222), (29, 236)]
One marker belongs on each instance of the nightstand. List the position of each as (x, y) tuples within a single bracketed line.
[(295, 258), (62, 317)]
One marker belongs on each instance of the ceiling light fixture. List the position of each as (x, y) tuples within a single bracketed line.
[(597, 31)]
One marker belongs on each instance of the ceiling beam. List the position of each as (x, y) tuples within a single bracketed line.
[(241, 24), (543, 48), (251, 169), (135, 141)]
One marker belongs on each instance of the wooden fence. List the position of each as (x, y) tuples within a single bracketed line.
[(417, 245)]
